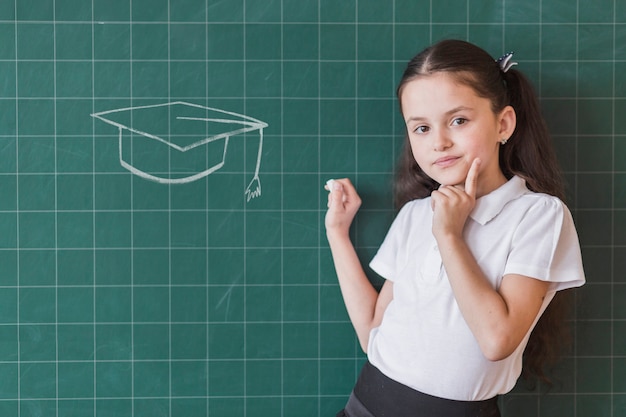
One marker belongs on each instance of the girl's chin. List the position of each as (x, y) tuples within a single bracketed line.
[(454, 175), (450, 180)]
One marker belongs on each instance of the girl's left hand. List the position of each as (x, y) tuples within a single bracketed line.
[(452, 204)]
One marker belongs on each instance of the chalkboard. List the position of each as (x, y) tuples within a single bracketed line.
[(162, 162)]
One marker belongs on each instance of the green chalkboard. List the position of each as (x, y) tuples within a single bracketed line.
[(162, 163)]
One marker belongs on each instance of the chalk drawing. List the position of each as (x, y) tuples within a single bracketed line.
[(179, 142)]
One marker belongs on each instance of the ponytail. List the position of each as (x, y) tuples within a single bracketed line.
[(529, 153)]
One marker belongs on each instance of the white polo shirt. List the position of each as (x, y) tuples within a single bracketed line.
[(423, 340)]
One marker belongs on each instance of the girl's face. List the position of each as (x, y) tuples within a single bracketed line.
[(449, 126)]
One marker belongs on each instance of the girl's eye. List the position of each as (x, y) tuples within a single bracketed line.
[(459, 121), (421, 129)]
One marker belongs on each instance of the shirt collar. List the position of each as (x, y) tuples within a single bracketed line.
[(489, 206)]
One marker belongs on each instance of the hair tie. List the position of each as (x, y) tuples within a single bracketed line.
[(505, 62)]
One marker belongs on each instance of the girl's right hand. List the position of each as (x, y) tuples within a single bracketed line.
[(363, 302), (343, 203)]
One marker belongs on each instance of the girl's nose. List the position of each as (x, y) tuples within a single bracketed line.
[(441, 141)]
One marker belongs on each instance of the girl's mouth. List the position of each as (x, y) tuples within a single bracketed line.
[(446, 161)]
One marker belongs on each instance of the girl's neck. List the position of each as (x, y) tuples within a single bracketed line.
[(487, 185)]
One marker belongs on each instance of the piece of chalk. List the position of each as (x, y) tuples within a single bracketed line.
[(331, 184)]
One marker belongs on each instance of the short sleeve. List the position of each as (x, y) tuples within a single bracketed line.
[(392, 254), (407, 234), (545, 246)]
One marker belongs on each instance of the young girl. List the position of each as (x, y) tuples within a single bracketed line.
[(478, 250)]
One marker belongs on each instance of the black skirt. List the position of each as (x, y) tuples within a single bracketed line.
[(376, 395)]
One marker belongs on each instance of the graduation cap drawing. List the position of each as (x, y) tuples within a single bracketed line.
[(179, 142)]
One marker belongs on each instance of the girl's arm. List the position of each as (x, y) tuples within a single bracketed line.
[(364, 304), (499, 319)]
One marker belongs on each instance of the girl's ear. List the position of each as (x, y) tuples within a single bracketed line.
[(506, 121)]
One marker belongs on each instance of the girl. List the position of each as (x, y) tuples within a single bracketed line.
[(478, 250)]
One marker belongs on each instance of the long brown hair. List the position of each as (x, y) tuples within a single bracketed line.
[(529, 154)]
